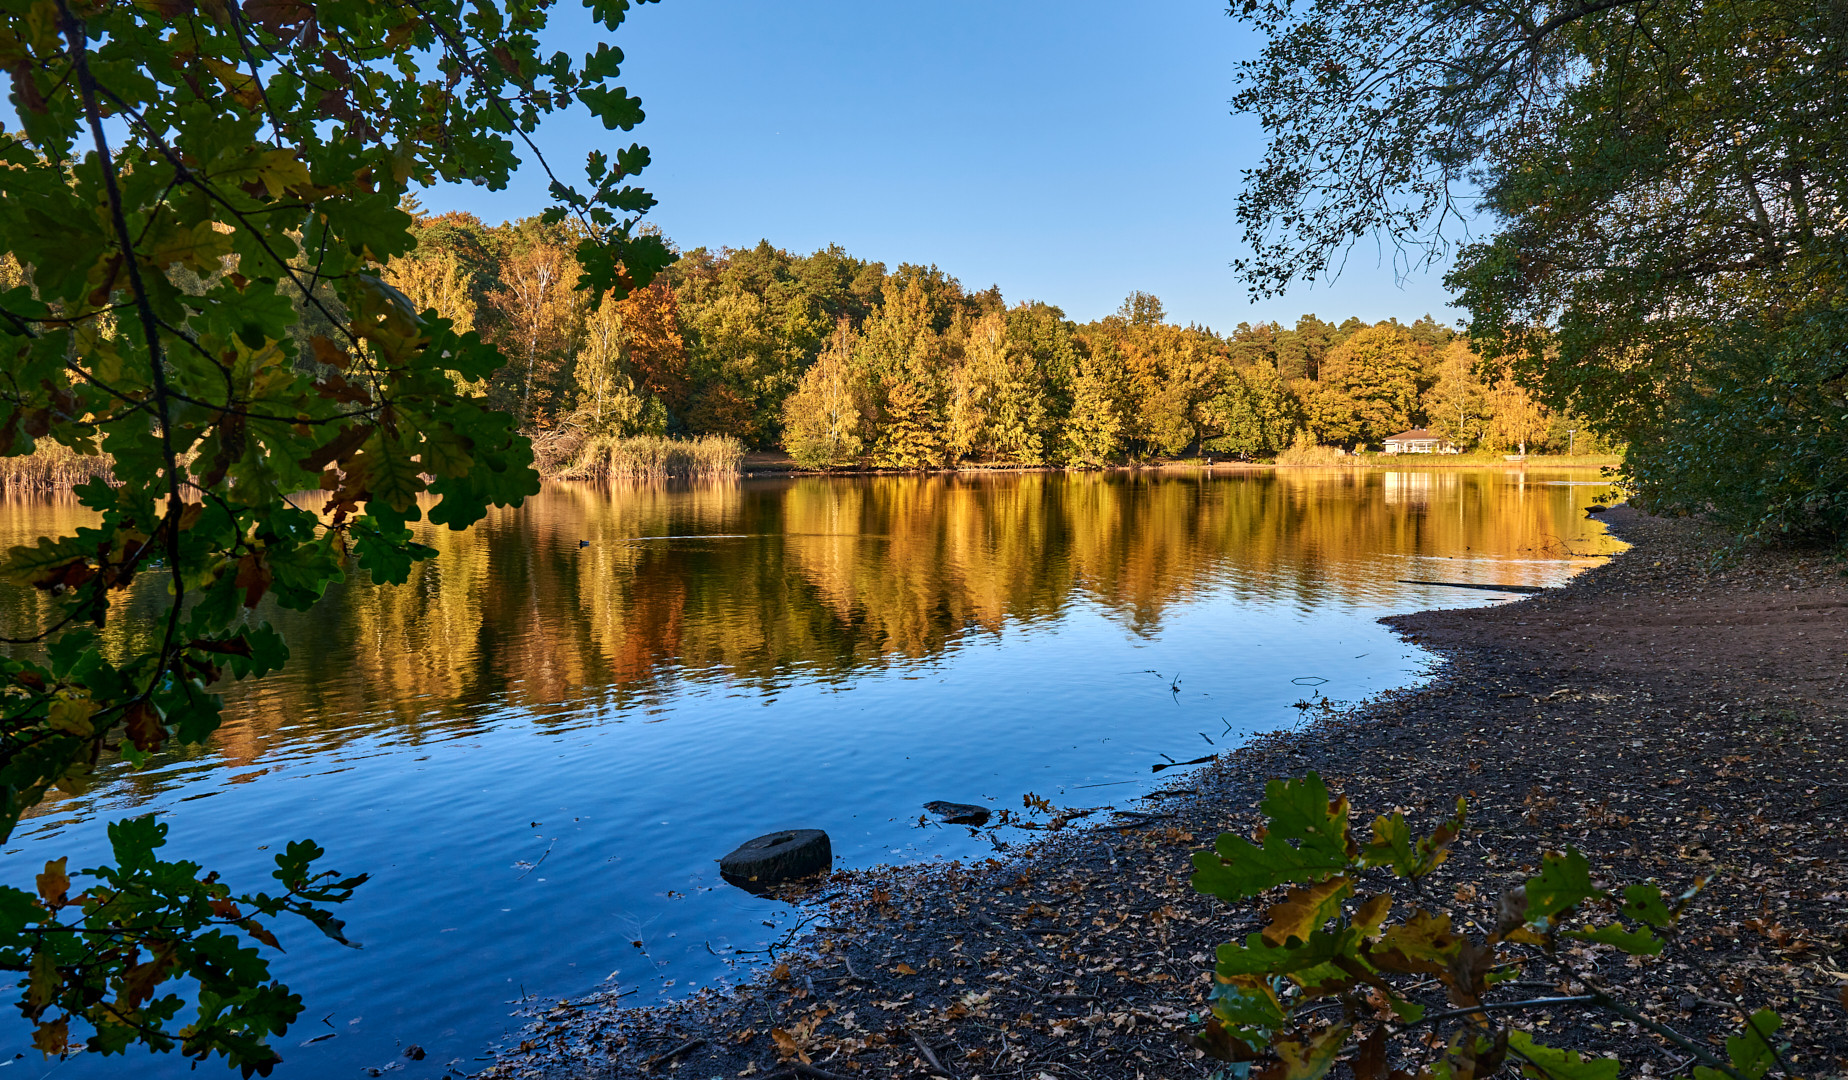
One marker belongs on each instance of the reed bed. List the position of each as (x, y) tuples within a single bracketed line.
[(1305, 452), (656, 457), (52, 465)]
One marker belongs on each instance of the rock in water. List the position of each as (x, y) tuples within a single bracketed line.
[(956, 813), (777, 857)]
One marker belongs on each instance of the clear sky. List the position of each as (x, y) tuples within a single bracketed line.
[(1067, 151)]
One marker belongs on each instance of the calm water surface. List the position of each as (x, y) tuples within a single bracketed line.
[(539, 748)]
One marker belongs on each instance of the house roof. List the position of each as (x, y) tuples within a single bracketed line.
[(1415, 435)]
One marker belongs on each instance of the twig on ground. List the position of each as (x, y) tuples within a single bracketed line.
[(685, 1047), (930, 1056), (799, 1068)]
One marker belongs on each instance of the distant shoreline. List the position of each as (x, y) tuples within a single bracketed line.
[(778, 466)]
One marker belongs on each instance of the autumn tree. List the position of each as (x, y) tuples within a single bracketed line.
[(910, 434), (901, 351), (1515, 417), (435, 282), (996, 402), (656, 350), (1093, 429), (1373, 380), (1650, 198), (608, 399), (1166, 371), (824, 421), (540, 310), (449, 270), (1045, 345), (1457, 404)]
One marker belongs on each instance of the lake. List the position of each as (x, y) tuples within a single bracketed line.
[(541, 745)]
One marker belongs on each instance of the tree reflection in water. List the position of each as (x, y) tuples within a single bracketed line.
[(593, 594)]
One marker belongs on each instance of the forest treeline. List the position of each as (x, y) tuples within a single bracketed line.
[(842, 362)]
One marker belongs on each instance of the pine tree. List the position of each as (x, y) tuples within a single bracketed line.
[(1093, 432), (909, 438)]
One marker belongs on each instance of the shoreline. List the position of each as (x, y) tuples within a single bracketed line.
[(20, 483), (780, 467), (1184, 466), (1669, 714)]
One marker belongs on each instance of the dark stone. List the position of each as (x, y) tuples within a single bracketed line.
[(956, 813), (777, 857)]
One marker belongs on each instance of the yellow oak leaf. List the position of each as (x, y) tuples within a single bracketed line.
[(197, 248), (280, 170), (54, 883)]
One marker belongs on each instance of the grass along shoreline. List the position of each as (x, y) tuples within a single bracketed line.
[(648, 457), (1668, 714), (51, 466)]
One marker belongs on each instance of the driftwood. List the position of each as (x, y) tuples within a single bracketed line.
[(1478, 586)]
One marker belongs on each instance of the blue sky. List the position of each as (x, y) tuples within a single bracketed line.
[(1068, 152)]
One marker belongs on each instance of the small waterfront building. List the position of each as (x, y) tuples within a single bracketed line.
[(1418, 441)]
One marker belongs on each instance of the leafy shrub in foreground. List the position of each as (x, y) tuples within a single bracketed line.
[(1334, 968)]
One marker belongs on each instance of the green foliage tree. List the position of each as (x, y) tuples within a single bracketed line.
[(1331, 941), (202, 201), (1665, 257), (1252, 414)]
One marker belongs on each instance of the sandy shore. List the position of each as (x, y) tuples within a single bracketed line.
[(1676, 713)]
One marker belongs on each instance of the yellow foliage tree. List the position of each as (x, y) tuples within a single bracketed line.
[(540, 307), (608, 403), (435, 283), (824, 419), (1456, 406), (1515, 418)]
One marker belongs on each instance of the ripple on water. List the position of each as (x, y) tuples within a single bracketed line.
[(538, 750)]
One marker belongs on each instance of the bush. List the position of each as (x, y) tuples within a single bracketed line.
[(1329, 944)]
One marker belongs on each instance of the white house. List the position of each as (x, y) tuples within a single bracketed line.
[(1418, 441)]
